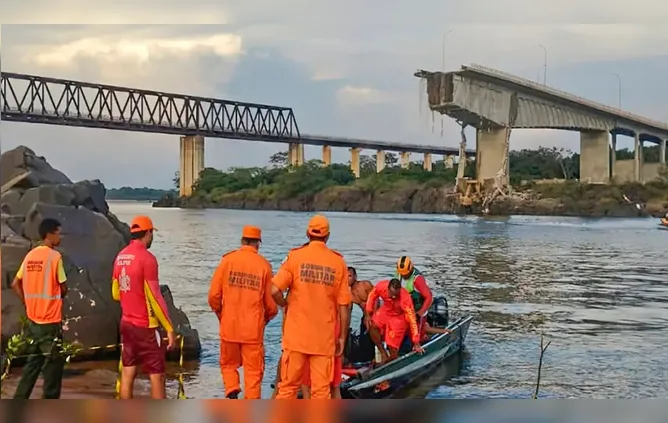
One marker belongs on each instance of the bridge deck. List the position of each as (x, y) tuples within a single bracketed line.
[(38, 99)]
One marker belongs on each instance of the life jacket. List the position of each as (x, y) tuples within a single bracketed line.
[(418, 299), (40, 286)]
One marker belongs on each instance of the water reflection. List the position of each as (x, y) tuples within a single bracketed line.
[(596, 288)]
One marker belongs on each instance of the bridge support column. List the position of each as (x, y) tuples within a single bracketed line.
[(326, 155), (594, 157), (296, 154), (426, 164), (449, 161), (380, 160), (191, 163), (638, 158), (405, 159), (662, 152), (355, 161), (613, 156), (490, 148)]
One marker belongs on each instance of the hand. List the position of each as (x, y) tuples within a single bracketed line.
[(171, 340), (418, 348), (340, 345)]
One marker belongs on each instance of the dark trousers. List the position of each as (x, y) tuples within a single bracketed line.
[(43, 357)]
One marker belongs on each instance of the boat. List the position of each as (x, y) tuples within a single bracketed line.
[(364, 381)]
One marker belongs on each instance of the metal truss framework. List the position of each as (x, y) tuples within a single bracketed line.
[(37, 99)]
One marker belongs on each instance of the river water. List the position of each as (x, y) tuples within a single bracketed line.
[(597, 289)]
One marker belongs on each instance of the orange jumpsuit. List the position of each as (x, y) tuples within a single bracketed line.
[(318, 281), (240, 295), (395, 316)]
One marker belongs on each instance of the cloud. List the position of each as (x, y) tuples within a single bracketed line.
[(360, 96), (346, 68), (109, 50)]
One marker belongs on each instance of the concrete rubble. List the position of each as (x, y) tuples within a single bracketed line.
[(92, 236)]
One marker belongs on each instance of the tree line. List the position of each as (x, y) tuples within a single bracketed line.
[(277, 178), (137, 194)]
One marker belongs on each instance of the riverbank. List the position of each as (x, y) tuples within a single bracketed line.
[(558, 199), (81, 381)]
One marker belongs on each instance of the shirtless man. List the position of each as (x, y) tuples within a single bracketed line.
[(360, 291)]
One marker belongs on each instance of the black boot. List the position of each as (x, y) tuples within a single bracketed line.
[(233, 395)]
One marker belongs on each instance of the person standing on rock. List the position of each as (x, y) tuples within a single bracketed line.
[(143, 309), (319, 307), (41, 284), (240, 295)]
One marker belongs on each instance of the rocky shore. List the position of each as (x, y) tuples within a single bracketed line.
[(413, 198), (92, 236)]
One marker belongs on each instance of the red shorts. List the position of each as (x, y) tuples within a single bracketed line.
[(392, 327), (142, 346)]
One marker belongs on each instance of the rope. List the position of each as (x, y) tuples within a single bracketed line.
[(70, 351)]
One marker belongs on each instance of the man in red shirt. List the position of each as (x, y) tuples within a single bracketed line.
[(394, 316), (136, 286)]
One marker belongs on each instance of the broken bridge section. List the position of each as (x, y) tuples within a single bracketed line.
[(494, 102)]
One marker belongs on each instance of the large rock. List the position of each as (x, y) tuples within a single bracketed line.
[(21, 159), (92, 237)]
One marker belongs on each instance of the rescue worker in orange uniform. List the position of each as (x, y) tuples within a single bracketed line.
[(317, 278), (337, 374), (143, 309), (240, 295), (41, 285), (392, 318)]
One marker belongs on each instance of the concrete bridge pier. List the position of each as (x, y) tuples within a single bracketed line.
[(326, 155), (355, 161), (490, 148), (594, 157), (426, 164), (613, 156), (191, 163), (380, 160), (638, 158), (449, 162), (405, 159), (296, 154), (662, 152)]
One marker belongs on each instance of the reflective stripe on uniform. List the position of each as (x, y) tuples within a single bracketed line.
[(46, 276)]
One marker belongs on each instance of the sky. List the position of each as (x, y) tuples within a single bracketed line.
[(346, 68)]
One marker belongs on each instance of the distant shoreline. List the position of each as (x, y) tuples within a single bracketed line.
[(136, 194), (135, 200), (423, 201)]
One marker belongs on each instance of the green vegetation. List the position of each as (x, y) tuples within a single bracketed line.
[(278, 181), (138, 194)]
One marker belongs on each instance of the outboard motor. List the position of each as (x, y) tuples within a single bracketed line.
[(438, 314)]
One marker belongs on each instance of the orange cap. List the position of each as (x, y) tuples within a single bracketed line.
[(251, 232), (142, 223), (318, 226)]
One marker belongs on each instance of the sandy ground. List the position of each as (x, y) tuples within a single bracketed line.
[(81, 381)]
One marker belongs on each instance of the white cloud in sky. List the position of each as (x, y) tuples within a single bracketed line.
[(359, 96), (111, 49)]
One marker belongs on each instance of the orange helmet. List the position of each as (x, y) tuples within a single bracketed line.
[(404, 266)]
